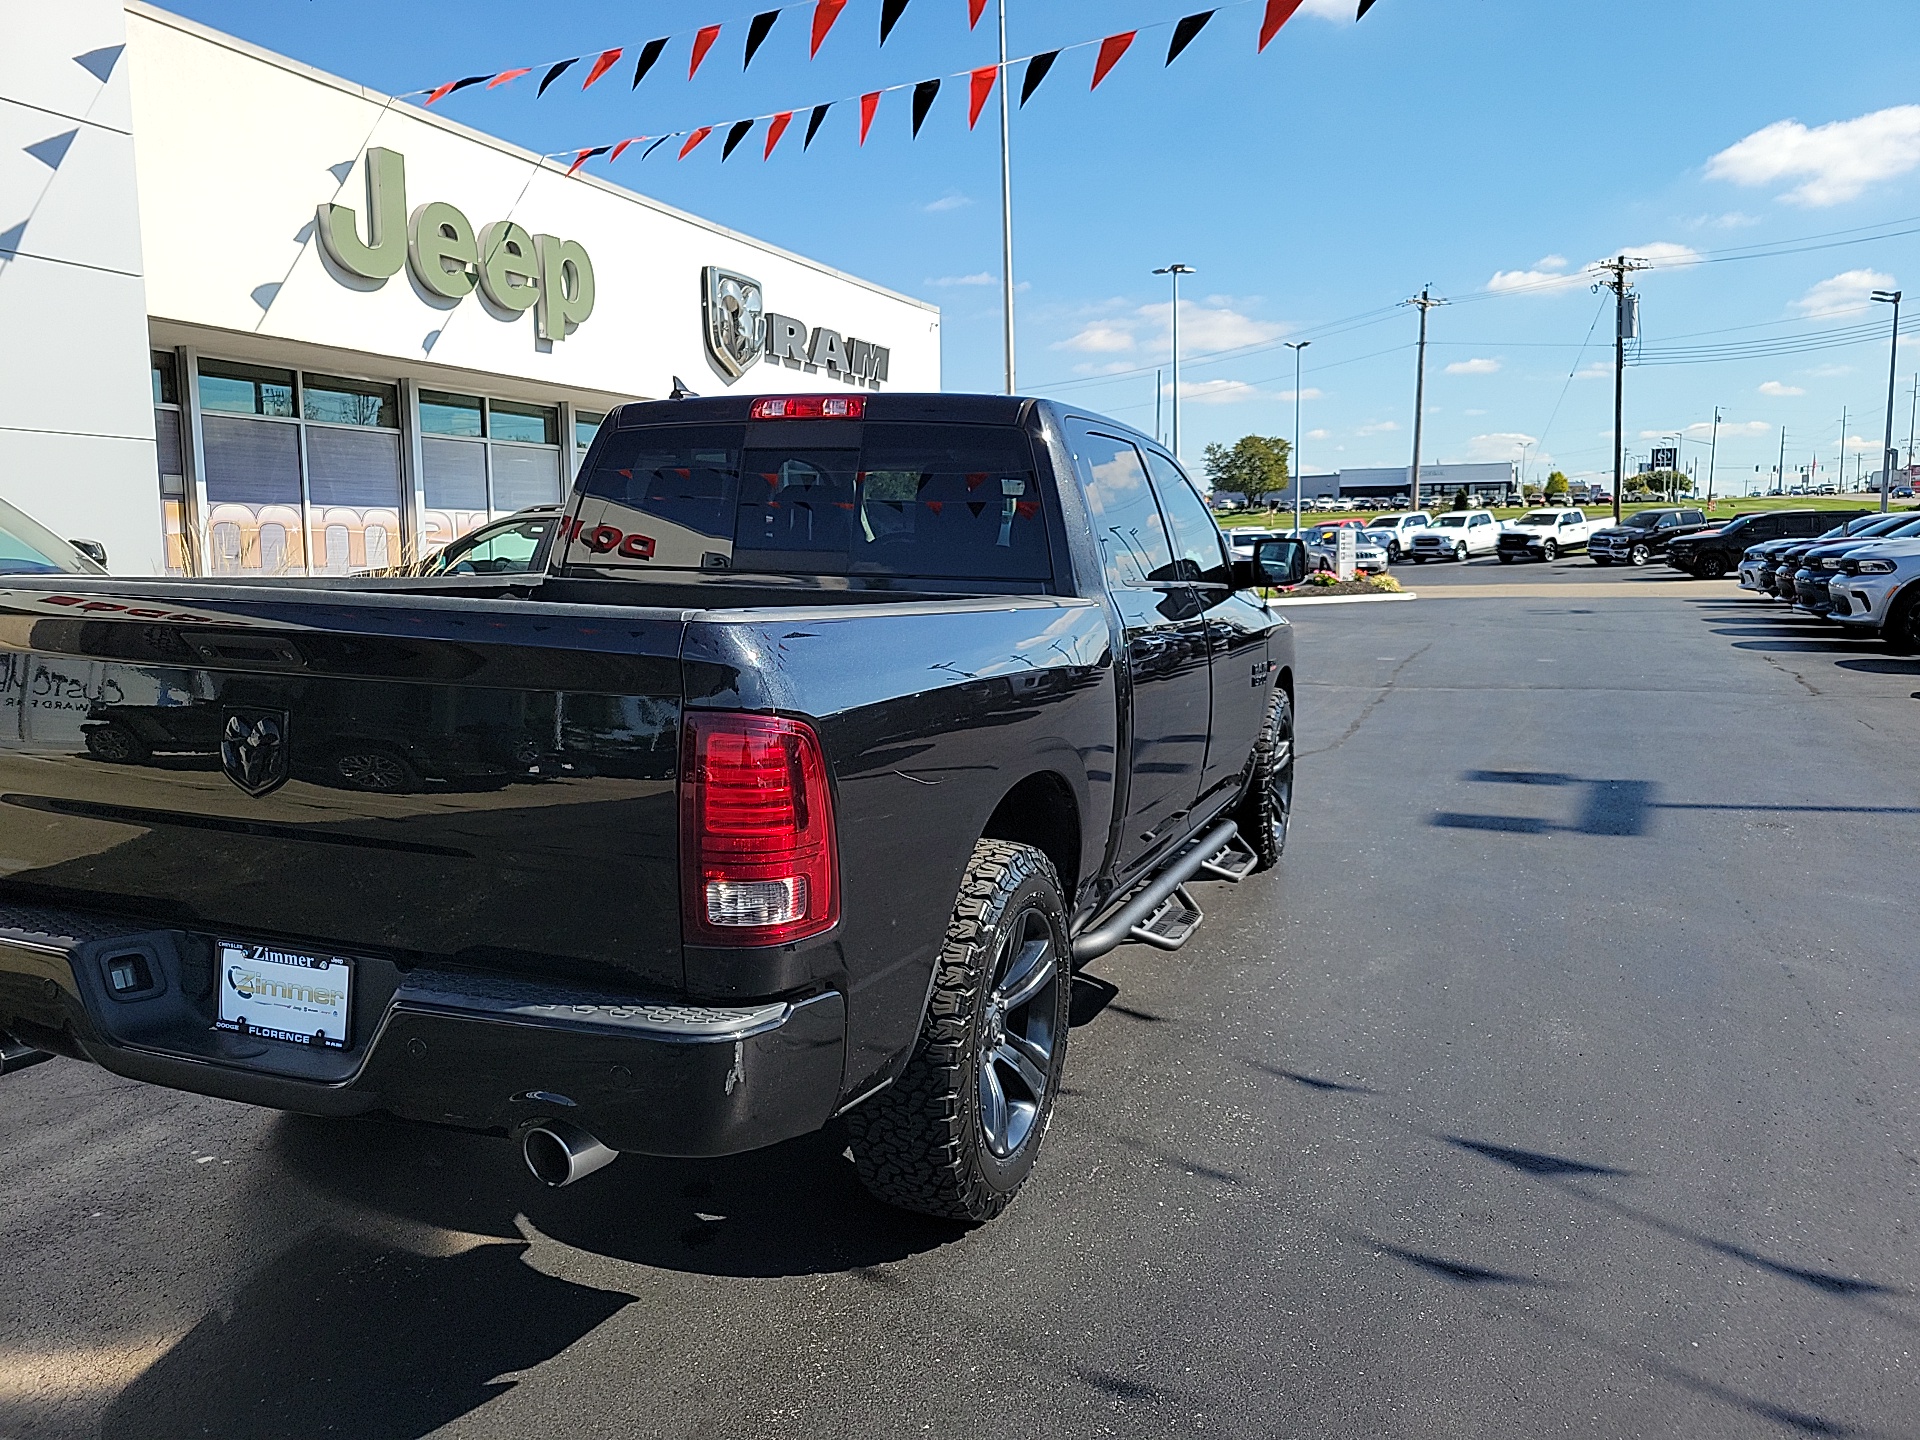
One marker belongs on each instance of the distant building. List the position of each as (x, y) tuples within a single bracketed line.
[(1484, 484)]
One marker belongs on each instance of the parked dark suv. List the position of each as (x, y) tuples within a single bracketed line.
[(1709, 554)]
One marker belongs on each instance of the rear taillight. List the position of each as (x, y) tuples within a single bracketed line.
[(757, 848)]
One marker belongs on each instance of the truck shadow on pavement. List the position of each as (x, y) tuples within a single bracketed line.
[(1617, 807)]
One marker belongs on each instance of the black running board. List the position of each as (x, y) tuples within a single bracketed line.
[(1163, 914)]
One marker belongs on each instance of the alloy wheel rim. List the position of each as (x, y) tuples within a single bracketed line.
[(371, 771), (1018, 1033), (1280, 785)]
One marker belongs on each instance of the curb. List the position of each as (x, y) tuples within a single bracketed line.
[(1344, 599)]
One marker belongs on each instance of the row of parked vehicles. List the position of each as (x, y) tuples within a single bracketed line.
[(1460, 535), (1857, 573)]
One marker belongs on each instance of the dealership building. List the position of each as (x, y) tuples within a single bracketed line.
[(258, 320), (1485, 484)]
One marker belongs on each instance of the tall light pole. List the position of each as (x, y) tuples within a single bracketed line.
[(1176, 271), (1673, 490), (1296, 346), (1006, 200), (1525, 446), (1888, 297), (1713, 454)]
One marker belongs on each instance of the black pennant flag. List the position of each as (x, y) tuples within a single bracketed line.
[(649, 53), (813, 123), (656, 145), (1037, 69), (737, 132), (890, 13), (1365, 5), (923, 94), (756, 36), (554, 74), (1184, 32)]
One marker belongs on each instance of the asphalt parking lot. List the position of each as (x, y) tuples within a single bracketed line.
[(1562, 1081)]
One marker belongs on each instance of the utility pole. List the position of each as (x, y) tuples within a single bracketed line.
[(1889, 297), (1626, 312), (1175, 270), (1913, 415), (1841, 478), (1006, 200), (1780, 475), (1426, 301), (1713, 454), (1296, 346)]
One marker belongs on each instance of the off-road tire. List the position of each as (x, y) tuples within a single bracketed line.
[(1266, 812), (921, 1143)]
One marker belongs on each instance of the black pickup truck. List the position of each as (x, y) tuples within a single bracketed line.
[(840, 728), (1643, 535)]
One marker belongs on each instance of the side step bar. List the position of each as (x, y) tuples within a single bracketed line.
[(1163, 914)]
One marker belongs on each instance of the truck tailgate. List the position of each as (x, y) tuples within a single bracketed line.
[(488, 784)]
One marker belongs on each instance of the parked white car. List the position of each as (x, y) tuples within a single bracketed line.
[(1457, 535), (1395, 533), (1323, 550), (1545, 535), (1875, 591)]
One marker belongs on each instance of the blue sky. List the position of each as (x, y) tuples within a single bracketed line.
[(1491, 148)]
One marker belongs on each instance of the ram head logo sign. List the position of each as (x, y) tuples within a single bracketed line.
[(253, 750), (736, 322)]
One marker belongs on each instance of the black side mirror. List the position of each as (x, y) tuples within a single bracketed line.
[(1276, 564), (92, 549)]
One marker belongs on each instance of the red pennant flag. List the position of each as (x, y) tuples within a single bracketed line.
[(695, 138), (1278, 13), (602, 65), (506, 75), (974, 10), (825, 12), (702, 42), (869, 103), (776, 127), (1113, 47), (982, 87), (619, 149), (584, 156), (447, 89)]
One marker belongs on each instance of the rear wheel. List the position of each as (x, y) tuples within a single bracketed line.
[(1902, 630), (956, 1135), (1393, 552), (1267, 810)]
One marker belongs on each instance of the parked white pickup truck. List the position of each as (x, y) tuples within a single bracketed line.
[(1545, 535), (1457, 535), (1395, 533)]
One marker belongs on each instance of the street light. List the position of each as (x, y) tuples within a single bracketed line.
[(1296, 346), (1176, 271), (1888, 297)]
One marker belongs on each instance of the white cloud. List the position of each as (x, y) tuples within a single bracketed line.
[(1379, 427), (953, 200), (1503, 445), (1474, 367), (983, 278), (1206, 327), (1598, 370), (1661, 254), (1098, 338), (1217, 392), (1780, 391), (1341, 11), (1473, 412), (1309, 393), (1843, 294), (1550, 275), (1509, 280), (1551, 262), (1859, 445), (1319, 434), (1836, 162)]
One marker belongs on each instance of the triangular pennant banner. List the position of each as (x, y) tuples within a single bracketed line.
[(980, 87), (554, 74), (1365, 5), (654, 146), (600, 67), (452, 85), (693, 140), (757, 30), (776, 127), (923, 97), (736, 132), (1037, 69), (1281, 11), (1111, 49), (621, 148), (649, 54), (813, 123), (505, 76), (869, 103), (975, 8), (586, 155), (825, 12), (1184, 32), (702, 42), (890, 13)]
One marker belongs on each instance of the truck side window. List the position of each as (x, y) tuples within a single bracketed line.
[(1133, 539), (1196, 539)]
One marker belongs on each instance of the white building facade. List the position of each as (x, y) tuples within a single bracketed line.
[(258, 320)]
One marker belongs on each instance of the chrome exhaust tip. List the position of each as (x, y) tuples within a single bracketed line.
[(559, 1153)]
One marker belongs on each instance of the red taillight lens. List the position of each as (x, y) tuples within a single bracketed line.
[(809, 407), (757, 848)]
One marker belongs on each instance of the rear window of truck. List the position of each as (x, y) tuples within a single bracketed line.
[(816, 498)]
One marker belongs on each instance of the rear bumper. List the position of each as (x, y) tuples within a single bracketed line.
[(448, 1048)]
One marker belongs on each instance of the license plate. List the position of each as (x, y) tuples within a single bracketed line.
[(285, 995)]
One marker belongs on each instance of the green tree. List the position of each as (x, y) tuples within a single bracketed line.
[(1255, 465), (1461, 501), (1557, 486)]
